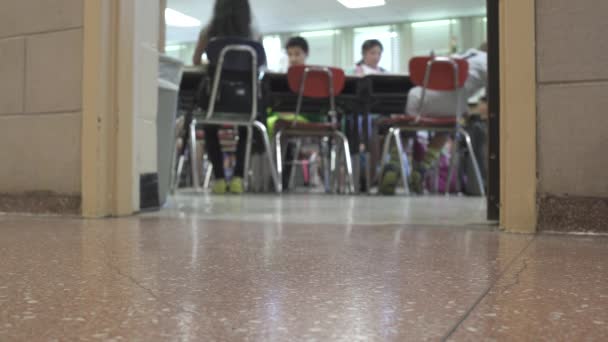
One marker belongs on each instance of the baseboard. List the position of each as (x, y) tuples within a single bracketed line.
[(40, 202), (571, 214), (148, 192)]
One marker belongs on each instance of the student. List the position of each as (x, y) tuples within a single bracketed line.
[(440, 104), (371, 52), (231, 18), (297, 51)]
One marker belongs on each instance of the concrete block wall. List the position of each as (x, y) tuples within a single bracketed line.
[(572, 114), (41, 46)]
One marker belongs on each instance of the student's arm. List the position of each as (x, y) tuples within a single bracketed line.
[(203, 40)]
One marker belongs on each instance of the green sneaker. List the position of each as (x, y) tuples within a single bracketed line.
[(417, 182), (236, 186), (220, 187), (390, 179)]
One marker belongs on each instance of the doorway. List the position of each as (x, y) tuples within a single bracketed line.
[(499, 13)]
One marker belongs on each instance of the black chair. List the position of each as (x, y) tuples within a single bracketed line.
[(230, 95)]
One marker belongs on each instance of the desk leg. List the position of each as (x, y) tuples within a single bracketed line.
[(356, 171), (365, 150)]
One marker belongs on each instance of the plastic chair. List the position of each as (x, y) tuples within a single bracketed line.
[(320, 83), (231, 96), (438, 74)]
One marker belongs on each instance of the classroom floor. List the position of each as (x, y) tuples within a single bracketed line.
[(298, 268)]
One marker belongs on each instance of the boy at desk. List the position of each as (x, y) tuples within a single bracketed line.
[(297, 51)]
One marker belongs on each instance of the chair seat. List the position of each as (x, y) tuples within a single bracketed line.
[(305, 126), (423, 121)]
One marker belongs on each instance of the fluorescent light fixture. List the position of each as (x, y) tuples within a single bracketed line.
[(434, 23), (324, 33), (362, 3), (178, 19)]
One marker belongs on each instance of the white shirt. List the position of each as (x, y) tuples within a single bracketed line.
[(364, 70), (443, 103)]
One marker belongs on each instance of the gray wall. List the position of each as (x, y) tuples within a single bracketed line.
[(40, 95), (572, 59)]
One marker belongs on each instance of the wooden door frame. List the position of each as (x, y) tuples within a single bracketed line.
[(518, 142), (107, 119), (107, 125)]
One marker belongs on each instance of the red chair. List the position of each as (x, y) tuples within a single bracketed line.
[(318, 83), (438, 74)]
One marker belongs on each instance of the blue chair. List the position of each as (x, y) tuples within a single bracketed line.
[(230, 95)]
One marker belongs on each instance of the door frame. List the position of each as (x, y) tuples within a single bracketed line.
[(493, 95), (108, 115), (518, 141), (108, 135)]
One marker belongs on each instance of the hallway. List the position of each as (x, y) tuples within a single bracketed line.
[(301, 268)]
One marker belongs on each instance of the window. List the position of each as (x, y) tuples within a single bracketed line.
[(182, 51), (322, 46), (389, 39), (275, 56), (432, 37)]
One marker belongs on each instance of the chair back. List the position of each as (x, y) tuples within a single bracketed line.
[(439, 73), (237, 58), (231, 86), (317, 82)]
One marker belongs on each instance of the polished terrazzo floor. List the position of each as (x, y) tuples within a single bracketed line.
[(298, 268)]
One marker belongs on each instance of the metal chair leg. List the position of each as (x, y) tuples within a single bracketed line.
[(208, 175), (247, 165), (385, 152), (273, 170), (348, 161), (294, 163), (178, 175), (279, 156), (478, 175), (402, 160), (193, 157), (174, 163), (325, 152), (333, 167), (454, 155)]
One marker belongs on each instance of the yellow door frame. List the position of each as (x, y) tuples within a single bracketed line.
[(518, 141), (107, 121), (107, 134)]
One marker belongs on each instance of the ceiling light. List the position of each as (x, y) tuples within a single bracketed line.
[(432, 23), (362, 3), (178, 19), (312, 34)]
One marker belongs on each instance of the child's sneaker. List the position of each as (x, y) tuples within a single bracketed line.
[(390, 180), (220, 187), (417, 182), (236, 186)]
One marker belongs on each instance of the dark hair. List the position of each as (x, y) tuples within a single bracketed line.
[(368, 45), (297, 42), (231, 18)]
